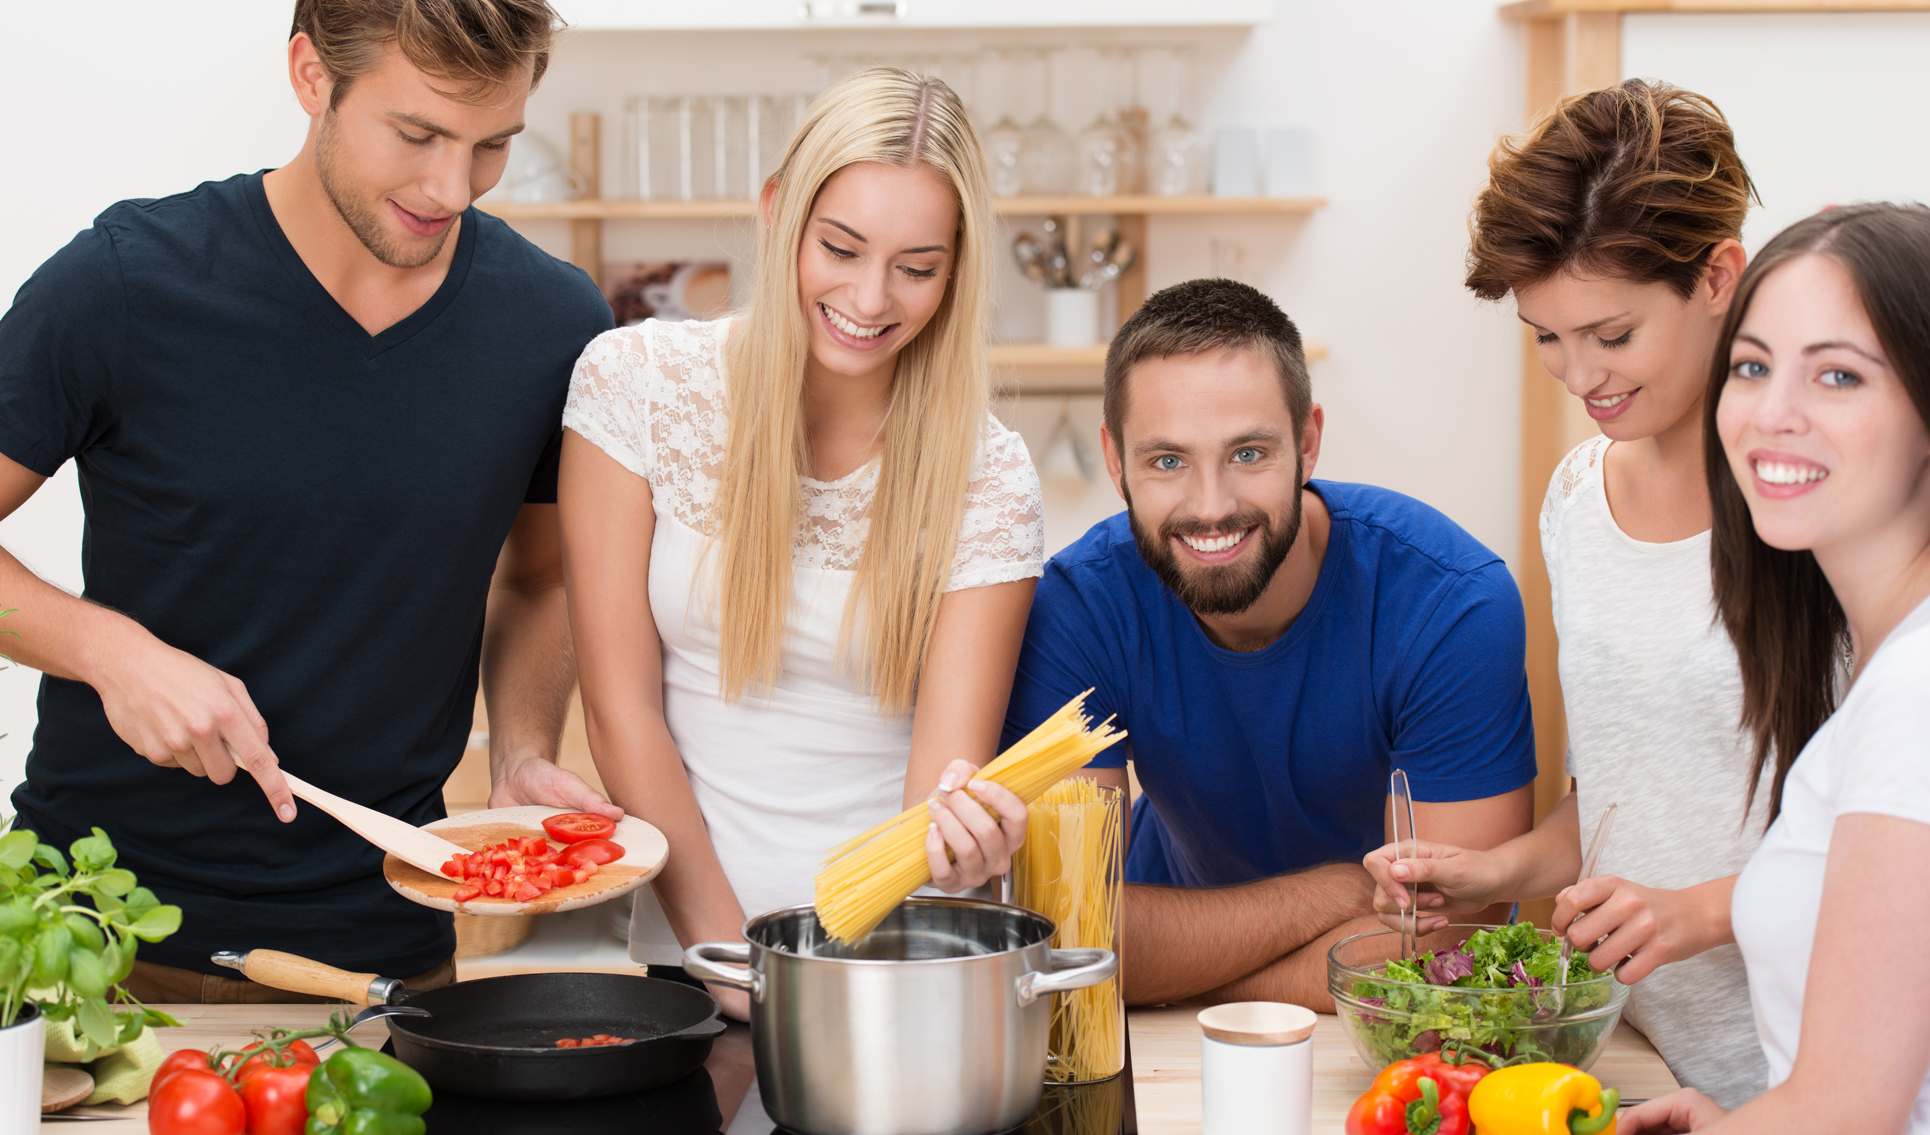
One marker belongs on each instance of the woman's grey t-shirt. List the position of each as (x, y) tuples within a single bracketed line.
[(1652, 694)]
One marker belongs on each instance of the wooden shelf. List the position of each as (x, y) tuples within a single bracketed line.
[(1044, 356), (1555, 9), (1077, 371), (1138, 205)]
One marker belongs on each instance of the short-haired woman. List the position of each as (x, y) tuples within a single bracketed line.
[(1614, 226)]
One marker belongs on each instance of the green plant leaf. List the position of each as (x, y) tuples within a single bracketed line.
[(49, 856), (115, 881), (86, 977), (159, 1019), (140, 900), (50, 954), (17, 848), (17, 915), (96, 1023), (131, 1025), (92, 853), (158, 923), (9, 962)]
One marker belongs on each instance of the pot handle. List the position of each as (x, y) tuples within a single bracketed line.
[(703, 961), (1071, 969)]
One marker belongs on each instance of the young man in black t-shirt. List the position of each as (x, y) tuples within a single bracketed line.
[(316, 417)]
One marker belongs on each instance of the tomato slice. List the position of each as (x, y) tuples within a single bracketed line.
[(575, 827), (598, 851)]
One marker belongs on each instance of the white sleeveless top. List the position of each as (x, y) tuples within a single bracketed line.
[(1653, 697), (781, 775)]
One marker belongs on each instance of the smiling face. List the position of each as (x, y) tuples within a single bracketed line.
[(1817, 426), (874, 262), (1211, 471), (1636, 354), (400, 159)]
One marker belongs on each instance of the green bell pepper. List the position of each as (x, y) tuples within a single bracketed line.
[(359, 1091)]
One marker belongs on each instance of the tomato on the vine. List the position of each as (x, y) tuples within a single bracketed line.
[(276, 1099), (187, 1059), (195, 1101), (297, 1052)]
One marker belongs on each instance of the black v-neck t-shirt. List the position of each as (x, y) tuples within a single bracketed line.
[(311, 508)]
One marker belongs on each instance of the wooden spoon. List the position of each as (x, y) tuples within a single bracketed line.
[(406, 842), (62, 1086)]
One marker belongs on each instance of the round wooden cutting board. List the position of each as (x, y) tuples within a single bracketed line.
[(644, 852)]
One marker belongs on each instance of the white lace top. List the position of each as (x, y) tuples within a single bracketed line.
[(1653, 695), (784, 774)]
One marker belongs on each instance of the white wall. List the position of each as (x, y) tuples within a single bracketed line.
[(1827, 109)]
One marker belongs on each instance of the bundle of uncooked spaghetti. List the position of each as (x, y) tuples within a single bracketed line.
[(1069, 871), (865, 878)]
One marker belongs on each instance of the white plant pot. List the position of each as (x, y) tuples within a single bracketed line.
[(23, 1052)]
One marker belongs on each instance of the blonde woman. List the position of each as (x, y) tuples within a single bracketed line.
[(799, 550)]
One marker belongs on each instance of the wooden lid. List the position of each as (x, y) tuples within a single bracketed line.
[(1258, 1023)]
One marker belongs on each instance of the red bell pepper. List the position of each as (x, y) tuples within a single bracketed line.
[(1427, 1095)]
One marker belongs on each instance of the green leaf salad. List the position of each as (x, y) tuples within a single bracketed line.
[(1495, 991)]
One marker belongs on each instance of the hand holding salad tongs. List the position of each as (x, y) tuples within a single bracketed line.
[(1401, 800), (1595, 843)]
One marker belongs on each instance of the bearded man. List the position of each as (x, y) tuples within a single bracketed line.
[(316, 413), (1276, 646)]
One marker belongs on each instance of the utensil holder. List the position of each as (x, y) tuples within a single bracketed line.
[(1071, 317)]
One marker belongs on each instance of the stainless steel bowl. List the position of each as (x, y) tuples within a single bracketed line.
[(935, 1024)]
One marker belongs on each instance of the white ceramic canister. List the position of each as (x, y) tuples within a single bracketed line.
[(23, 1052), (1256, 1069)]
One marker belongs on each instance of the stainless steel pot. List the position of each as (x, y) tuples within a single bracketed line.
[(935, 1024)]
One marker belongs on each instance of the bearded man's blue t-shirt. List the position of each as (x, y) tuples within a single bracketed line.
[(1408, 654)]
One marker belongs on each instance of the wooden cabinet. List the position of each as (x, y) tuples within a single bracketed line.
[(787, 15)]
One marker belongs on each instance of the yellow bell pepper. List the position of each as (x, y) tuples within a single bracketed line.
[(1542, 1099)]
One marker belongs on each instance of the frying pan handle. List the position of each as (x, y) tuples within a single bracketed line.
[(703, 961), (1071, 969), (296, 974)]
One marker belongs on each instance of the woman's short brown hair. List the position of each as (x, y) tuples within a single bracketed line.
[(1637, 181), (473, 44)]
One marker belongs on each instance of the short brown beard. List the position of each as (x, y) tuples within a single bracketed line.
[(1226, 590), (364, 222)]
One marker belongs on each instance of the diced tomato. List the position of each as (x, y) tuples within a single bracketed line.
[(598, 851), (452, 868), (575, 827), (525, 891), (469, 890)]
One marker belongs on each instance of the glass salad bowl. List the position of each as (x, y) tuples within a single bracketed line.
[(1485, 987)]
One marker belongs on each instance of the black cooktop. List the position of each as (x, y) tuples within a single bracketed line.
[(700, 1103)]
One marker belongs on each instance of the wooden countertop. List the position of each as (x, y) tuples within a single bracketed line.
[(1166, 1065)]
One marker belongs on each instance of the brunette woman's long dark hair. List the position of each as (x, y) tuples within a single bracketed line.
[(1789, 630)]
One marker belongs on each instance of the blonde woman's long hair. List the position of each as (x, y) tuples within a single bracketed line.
[(939, 397)]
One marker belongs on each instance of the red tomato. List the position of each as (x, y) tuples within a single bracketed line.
[(276, 1099), (298, 1052), (598, 851), (468, 891), (184, 1060), (575, 827), (195, 1102)]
